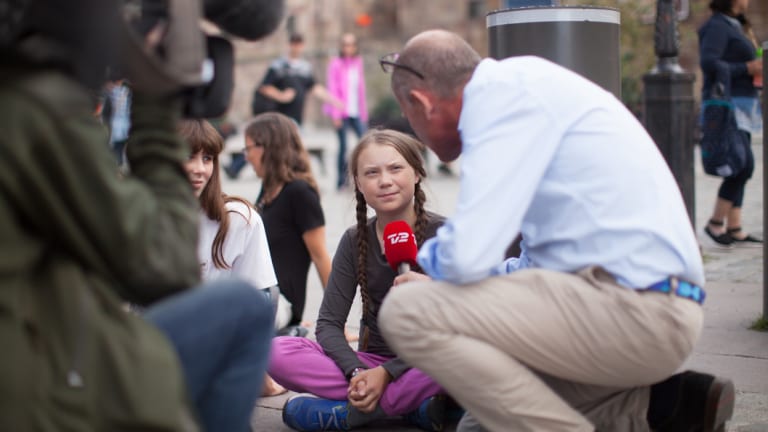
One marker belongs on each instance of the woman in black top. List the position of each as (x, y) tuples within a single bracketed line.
[(289, 204)]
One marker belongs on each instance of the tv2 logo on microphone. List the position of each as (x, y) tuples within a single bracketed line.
[(400, 237)]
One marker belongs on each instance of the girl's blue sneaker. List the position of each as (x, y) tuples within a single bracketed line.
[(307, 412)]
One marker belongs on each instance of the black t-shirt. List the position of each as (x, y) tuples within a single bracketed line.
[(296, 74), (294, 211)]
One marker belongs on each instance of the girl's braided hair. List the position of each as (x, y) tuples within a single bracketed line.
[(411, 150)]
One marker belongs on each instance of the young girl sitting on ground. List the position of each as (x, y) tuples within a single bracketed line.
[(348, 388)]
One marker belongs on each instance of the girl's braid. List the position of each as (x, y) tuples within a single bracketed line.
[(420, 227), (362, 254)]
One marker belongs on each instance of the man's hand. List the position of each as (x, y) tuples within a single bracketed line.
[(286, 96), (338, 103), (320, 92), (410, 276), (365, 389)]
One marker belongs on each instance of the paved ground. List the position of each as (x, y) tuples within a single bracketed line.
[(735, 293)]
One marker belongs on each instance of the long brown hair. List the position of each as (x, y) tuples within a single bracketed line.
[(285, 159), (411, 150), (203, 137)]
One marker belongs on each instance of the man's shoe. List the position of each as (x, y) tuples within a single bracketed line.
[(430, 415), (307, 412), (698, 402)]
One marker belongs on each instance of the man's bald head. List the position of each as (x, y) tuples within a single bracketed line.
[(444, 58), (435, 66)]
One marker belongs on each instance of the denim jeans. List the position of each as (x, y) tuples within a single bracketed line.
[(236, 165), (222, 333), (356, 125)]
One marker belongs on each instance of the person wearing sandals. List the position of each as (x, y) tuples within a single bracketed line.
[(351, 388), (726, 39)]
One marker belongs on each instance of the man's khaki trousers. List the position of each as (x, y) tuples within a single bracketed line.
[(538, 350)]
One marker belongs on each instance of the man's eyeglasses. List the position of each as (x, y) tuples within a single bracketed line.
[(389, 63)]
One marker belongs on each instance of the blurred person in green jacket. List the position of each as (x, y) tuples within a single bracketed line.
[(78, 241)]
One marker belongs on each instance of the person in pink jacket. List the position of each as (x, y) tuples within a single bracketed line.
[(346, 81)]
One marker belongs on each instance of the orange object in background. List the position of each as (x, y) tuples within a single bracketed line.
[(363, 20)]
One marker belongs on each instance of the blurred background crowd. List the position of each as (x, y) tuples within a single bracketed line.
[(383, 26)]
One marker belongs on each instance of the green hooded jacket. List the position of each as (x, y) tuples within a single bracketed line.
[(77, 240)]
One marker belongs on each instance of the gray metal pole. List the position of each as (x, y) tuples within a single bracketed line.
[(583, 39), (669, 104)]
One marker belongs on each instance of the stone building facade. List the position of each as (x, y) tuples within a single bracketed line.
[(382, 26), (322, 22)]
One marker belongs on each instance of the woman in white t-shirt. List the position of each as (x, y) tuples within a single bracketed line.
[(232, 240)]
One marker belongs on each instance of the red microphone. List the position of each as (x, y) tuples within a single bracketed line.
[(400, 246)]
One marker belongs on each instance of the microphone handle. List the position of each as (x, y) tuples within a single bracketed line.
[(403, 267)]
